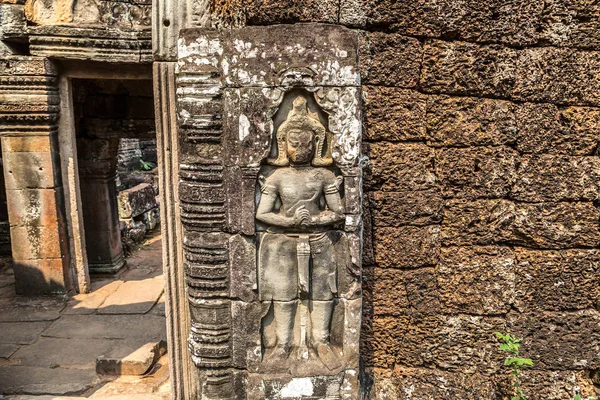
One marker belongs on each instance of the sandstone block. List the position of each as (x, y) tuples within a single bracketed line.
[(32, 207), (557, 385), (399, 166), (30, 170), (35, 144), (393, 114), (45, 276), (563, 76), (21, 332), (35, 242), (552, 280), (468, 69), (476, 172), (557, 178), (559, 340), (391, 60), (407, 208), (407, 246), (385, 290), (136, 201), (137, 363), (476, 280), (546, 225), (469, 121), (266, 12), (381, 339)]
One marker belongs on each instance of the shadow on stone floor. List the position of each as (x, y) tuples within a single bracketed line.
[(49, 345)]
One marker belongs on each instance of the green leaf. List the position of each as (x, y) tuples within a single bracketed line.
[(518, 361), (577, 397)]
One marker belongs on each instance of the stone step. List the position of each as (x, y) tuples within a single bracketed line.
[(137, 363)]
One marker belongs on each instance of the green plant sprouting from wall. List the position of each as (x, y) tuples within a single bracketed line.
[(511, 344)]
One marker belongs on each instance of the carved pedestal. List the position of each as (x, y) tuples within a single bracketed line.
[(269, 190), (97, 174)]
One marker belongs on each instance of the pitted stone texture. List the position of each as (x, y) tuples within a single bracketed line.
[(471, 121), (267, 12), (407, 246), (476, 172), (406, 208), (551, 280), (390, 60), (476, 280), (399, 167), (137, 200), (553, 178), (394, 115), (544, 225)]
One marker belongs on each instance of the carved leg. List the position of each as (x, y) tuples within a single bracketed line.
[(320, 317), (283, 315)]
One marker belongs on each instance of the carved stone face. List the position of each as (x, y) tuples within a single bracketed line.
[(300, 146)]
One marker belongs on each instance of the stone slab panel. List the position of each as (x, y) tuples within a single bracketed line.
[(21, 332), (144, 327), (35, 242), (29, 170), (240, 49), (136, 201), (7, 350), (133, 297), (36, 309), (39, 277), (33, 207), (88, 303), (39, 380)]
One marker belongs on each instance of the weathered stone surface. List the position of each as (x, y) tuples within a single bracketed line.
[(393, 114), (562, 76), (31, 310), (544, 128), (406, 208), (266, 12), (136, 200), (133, 297), (476, 172), (552, 280), (559, 340), (390, 60), (470, 121), (137, 362), (399, 166), (21, 332), (43, 380), (401, 292), (381, 338), (546, 225), (407, 246), (476, 280), (89, 303), (557, 178), (557, 385), (404, 383), (7, 350), (468, 69), (571, 24), (143, 327)]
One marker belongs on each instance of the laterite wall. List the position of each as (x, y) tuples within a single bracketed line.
[(481, 199)]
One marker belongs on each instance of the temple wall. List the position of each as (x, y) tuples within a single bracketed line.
[(482, 126)]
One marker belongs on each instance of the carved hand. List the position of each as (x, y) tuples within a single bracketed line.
[(302, 217)]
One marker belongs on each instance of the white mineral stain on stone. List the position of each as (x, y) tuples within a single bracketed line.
[(244, 127), (298, 387), (225, 66), (199, 47)]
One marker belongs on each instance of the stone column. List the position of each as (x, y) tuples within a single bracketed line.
[(97, 174), (29, 105)]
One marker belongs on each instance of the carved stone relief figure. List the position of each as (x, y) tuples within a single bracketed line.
[(300, 205)]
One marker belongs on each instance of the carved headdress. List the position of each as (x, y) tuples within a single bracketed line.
[(299, 118)]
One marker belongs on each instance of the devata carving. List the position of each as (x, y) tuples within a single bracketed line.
[(300, 202)]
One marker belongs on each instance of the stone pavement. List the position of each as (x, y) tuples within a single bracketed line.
[(49, 346)]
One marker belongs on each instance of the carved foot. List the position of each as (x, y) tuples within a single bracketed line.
[(328, 356), (279, 354)]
